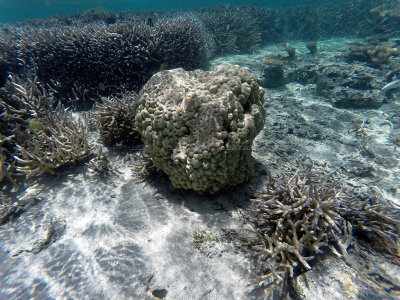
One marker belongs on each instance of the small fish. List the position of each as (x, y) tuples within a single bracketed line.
[(390, 86)]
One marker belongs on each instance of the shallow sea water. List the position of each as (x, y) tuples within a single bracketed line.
[(117, 238)]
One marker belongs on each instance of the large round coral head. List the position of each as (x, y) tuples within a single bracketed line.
[(198, 127)]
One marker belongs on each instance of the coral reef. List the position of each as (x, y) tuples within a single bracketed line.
[(94, 60), (293, 220), (291, 51), (198, 127), (312, 47), (37, 138), (116, 119), (273, 73), (375, 53), (99, 53), (246, 28), (233, 30)]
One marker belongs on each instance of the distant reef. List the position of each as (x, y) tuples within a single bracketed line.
[(100, 53)]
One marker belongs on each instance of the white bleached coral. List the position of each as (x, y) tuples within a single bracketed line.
[(198, 127)]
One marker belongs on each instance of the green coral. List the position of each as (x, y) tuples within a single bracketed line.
[(198, 127)]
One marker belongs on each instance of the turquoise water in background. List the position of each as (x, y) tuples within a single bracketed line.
[(18, 10)]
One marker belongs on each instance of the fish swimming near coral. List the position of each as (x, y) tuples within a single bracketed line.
[(390, 86)]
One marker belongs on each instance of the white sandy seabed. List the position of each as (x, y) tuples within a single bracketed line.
[(117, 238)]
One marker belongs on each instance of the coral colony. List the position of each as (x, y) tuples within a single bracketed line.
[(35, 137), (116, 120), (198, 127), (293, 220)]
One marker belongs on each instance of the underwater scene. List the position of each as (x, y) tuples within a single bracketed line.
[(200, 149)]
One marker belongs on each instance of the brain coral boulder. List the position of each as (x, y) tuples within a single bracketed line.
[(198, 127)]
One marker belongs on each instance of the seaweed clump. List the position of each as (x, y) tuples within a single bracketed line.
[(37, 136), (293, 220)]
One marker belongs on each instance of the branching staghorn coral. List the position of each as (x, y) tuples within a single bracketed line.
[(292, 221), (116, 119), (98, 59), (234, 30), (37, 138), (377, 216), (57, 142)]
